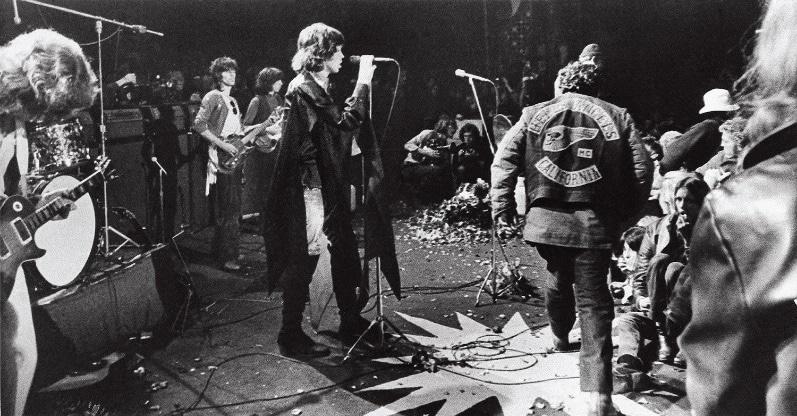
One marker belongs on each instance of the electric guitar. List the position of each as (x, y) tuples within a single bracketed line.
[(245, 144), (19, 220)]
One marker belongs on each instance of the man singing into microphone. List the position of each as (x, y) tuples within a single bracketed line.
[(310, 192)]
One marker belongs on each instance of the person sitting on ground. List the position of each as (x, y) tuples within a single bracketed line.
[(669, 179), (663, 254), (633, 332), (725, 163), (468, 161), (427, 167)]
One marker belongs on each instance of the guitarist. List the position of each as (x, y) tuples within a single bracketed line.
[(219, 116), (44, 76)]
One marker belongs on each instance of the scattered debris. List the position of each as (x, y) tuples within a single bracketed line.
[(467, 217)]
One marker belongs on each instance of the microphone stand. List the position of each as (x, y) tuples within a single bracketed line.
[(162, 223), (103, 138), (492, 274), (137, 28), (481, 113)]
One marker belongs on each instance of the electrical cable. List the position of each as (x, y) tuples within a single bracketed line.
[(193, 406), (393, 101), (101, 40)]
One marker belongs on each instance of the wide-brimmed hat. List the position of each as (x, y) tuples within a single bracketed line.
[(718, 100)]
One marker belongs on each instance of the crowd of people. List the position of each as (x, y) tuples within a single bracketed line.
[(701, 223)]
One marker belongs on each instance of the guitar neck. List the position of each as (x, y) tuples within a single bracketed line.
[(52, 208)]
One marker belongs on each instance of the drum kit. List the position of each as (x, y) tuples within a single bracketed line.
[(60, 157)]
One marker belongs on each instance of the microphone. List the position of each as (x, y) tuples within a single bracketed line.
[(17, 20), (355, 59), (462, 73), (139, 28)]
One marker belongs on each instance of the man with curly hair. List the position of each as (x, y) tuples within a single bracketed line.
[(219, 117), (586, 172), (44, 76)]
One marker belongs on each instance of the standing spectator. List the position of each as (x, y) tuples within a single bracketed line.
[(586, 172), (219, 117), (741, 344)]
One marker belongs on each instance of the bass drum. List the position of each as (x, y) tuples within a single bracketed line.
[(69, 243)]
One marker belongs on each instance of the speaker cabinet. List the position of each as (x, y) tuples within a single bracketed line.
[(129, 188)]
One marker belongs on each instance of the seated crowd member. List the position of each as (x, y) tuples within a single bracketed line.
[(43, 76), (663, 254), (427, 167), (635, 333), (468, 160), (663, 183), (725, 163)]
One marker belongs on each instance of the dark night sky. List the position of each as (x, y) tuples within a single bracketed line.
[(664, 54)]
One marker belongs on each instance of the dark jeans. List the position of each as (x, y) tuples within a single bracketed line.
[(637, 336), (663, 274), (227, 235), (579, 277), (344, 262)]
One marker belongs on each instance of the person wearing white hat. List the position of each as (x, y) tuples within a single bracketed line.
[(702, 141), (718, 100)]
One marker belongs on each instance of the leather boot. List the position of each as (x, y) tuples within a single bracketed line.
[(668, 348), (292, 340)]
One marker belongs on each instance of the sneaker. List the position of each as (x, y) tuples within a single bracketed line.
[(232, 266)]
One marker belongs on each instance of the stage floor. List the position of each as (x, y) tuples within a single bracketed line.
[(226, 361)]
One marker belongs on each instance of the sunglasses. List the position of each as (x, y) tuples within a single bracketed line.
[(234, 107)]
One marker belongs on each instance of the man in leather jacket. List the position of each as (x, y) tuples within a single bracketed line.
[(741, 344), (586, 172)]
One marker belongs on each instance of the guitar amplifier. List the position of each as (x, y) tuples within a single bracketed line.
[(124, 122)]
